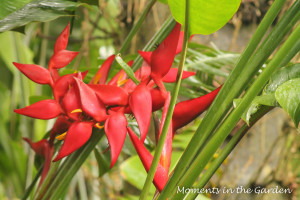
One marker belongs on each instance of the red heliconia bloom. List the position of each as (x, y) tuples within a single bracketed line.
[(45, 109), (187, 111), (161, 176), (78, 134), (141, 106), (101, 75), (115, 129)]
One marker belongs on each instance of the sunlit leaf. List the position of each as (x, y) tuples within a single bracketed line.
[(205, 17)]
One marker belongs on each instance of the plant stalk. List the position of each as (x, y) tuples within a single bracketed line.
[(167, 123)]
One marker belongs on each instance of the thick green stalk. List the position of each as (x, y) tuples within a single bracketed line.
[(136, 27), (68, 169), (226, 151), (223, 131), (232, 88), (167, 123)]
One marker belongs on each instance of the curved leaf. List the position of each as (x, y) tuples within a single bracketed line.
[(288, 96), (205, 17), (281, 76), (18, 13)]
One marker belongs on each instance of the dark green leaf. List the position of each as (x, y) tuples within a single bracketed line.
[(288, 96), (30, 11), (281, 76), (205, 17)]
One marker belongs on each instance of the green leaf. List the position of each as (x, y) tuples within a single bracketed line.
[(281, 76), (267, 100), (27, 11), (205, 17), (126, 68), (288, 96)]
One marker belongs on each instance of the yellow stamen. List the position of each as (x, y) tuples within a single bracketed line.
[(76, 110), (120, 83), (97, 78), (62, 136), (98, 126), (75, 72)]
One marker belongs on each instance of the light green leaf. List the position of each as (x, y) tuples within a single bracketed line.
[(288, 96), (281, 76), (205, 17), (22, 12)]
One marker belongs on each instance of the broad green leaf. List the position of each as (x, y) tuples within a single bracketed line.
[(205, 17), (281, 76), (9, 6), (288, 96), (263, 100), (27, 11)]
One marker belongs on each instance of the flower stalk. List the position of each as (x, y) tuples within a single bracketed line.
[(168, 119)]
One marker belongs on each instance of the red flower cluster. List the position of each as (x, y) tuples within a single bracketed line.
[(80, 107)]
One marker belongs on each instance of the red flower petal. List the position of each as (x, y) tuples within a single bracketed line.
[(187, 111), (35, 73), (140, 74), (115, 130), (161, 176), (77, 135), (102, 73), (71, 102), (62, 85), (45, 109), (162, 58), (158, 99), (146, 56), (60, 126), (141, 105), (61, 59), (170, 77), (120, 76), (165, 158), (90, 103), (180, 42), (62, 40), (111, 95)]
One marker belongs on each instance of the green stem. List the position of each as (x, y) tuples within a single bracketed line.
[(136, 27), (245, 69), (223, 131), (226, 151), (167, 123)]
